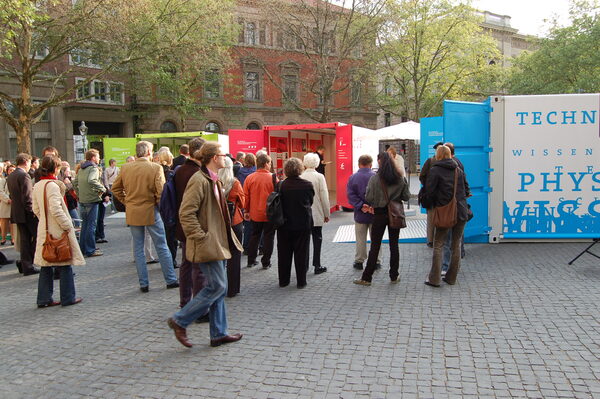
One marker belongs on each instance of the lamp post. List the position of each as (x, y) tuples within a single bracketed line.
[(83, 129)]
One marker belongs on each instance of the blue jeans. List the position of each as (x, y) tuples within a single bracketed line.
[(46, 285), (211, 297), (75, 217), (87, 237), (99, 232), (157, 232)]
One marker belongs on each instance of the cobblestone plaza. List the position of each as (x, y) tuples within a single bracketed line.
[(520, 323)]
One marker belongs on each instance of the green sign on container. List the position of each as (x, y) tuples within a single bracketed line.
[(119, 149)]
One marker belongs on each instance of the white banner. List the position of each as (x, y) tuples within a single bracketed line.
[(551, 166)]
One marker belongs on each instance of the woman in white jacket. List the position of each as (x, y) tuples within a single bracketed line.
[(320, 207), (50, 208)]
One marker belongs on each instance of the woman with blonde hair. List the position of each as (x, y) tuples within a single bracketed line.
[(54, 219), (165, 159), (234, 193), (398, 160), (5, 226), (439, 190), (320, 206)]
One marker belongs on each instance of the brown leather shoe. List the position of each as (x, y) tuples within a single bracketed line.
[(226, 339), (180, 333)]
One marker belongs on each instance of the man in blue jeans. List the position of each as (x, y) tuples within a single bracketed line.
[(139, 186), (205, 220), (89, 188)]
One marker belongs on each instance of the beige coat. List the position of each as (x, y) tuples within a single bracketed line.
[(58, 221), (4, 199), (139, 186), (321, 205), (201, 217)]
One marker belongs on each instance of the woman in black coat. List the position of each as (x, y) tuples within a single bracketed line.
[(293, 238), (438, 192)]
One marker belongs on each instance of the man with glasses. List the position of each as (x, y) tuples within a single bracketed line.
[(205, 220)]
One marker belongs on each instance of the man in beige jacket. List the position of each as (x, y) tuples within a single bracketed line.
[(205, 220), (139, 186)]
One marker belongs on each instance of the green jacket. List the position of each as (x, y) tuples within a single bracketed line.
[(87, 183)]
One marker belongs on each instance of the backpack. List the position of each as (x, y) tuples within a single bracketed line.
[(275, 206), (168, 206)]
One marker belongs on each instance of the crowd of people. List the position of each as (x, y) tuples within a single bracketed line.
[(214, 207)]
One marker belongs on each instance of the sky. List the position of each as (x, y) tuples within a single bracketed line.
[(528, 15)]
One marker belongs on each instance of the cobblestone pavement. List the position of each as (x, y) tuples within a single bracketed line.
[(520, 323)]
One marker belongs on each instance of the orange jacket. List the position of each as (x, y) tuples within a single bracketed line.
[(236, 195), (257, 188)]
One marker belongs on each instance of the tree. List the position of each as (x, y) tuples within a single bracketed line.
[(432, 50), (567, 61), (332, 40), (104, 39)]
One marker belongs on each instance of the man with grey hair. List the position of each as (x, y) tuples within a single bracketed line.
[(237, 165), (139, 186)]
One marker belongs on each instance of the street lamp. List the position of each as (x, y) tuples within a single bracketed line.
[(83, 129)]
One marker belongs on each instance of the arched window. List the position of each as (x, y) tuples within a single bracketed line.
[(168, 127), (253, 126), (492, 62), (212, 127)]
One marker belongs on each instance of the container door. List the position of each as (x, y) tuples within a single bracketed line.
[(467, 126)]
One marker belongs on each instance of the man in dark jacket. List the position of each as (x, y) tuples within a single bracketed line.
[(184, 154), (20, 188), (191, 279), (356, 190)]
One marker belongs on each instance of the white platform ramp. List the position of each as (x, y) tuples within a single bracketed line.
[(415, 231)]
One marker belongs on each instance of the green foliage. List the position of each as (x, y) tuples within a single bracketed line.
[(432, 50), (112, 40), (567, 61)]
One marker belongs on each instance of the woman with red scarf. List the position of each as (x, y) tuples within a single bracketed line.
[(50, 208)]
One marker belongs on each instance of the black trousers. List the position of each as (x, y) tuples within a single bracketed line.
[(380, 222), (292, 245), (100, 222), (317, 239), (27, 241), (233, 264), (268, 232), (172, 242)]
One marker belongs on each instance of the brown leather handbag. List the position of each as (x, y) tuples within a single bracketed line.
[(396, 216), (53, 250), (446, 217)]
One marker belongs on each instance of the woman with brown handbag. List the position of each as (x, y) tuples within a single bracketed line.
[(445, 194), (385, 193), (56, 242)]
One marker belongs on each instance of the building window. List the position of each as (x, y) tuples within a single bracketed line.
[(212, 127), (212, 84), (168, 127), (355, 92), (387, 119), (252, 86), (387, 86), (83, 57), (253, 126), (99, 91), (250, 34), (262, 34), (45, 115), (290, 88)]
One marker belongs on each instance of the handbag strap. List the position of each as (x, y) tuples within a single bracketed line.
[(455, 182), (385, 191), (46, 205)]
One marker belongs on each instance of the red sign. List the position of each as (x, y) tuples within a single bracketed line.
[(343, 159), (246, 141)]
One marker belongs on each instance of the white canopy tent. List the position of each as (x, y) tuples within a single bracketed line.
[(403, 131)]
